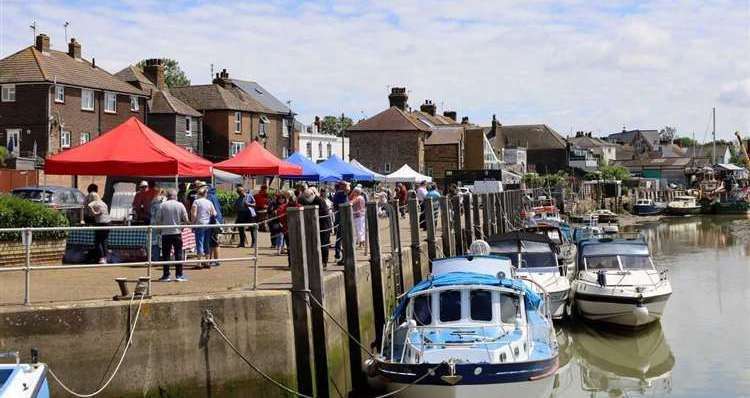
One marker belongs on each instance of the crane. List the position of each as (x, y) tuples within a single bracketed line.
[(746, 158)]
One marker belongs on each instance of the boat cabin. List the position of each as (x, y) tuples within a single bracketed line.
[(527, 251), (620, 255), (644, 202)]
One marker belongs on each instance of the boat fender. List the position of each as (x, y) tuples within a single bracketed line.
[(601, 278), (371, 367)]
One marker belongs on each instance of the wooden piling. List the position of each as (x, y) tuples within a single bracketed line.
[(317, 290), (376, 272), (468, 222), (486, 215), (397, 262), (457, 227), (430, 219), (445, 224), (346, 216), (416, 241), (492, 210), (476, 218)]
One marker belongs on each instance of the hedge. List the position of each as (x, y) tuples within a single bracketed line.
[(226, 199), (19, 213)]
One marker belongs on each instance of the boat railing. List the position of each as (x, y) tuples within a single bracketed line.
[(11, 354)]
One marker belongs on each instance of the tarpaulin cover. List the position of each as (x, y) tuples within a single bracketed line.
[(347, 171), (130, 149), (310, 170), (531, 298), (255, 160), (377, 176), (407, 174)]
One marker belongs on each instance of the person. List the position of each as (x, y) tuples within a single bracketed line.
[(329, 204), (172, 212), (381, 198), (311, 197), (142, 202), (277, 225), (100, 211), (434, 194), (213, 237), (403, 197), (201, 213), (358, 210), (261, 206), (244, 215), (340, 197), (156, 233), (421, 193), (192, 193), (88, 216)]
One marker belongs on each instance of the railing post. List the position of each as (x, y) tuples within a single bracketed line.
[(445, 223), (255, 253), (396, 258), (430, 220), (149, 253), (27, 236), (376, 271), (416, 241), (492, 210), (300, 314), (346, 218), (468, 222), (457, 227), (317, 290)]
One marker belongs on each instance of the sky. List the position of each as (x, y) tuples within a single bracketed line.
[(573, 65)]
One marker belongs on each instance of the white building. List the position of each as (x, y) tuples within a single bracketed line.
[(515, 156), (317, 146)]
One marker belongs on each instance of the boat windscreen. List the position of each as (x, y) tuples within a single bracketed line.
[(423, 309), (636, 262), (450, 305), (595, 263), (603, 249)]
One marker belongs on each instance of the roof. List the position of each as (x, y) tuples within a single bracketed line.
[(729, 166), (445, 136), (588, 142), (531, 136), (260, 94), (627, 136), (30, 65), (162, 101), (435, 120), (215, 97), (255, 160), (661, 162), (134, 75), (706, 150), (391, 119)]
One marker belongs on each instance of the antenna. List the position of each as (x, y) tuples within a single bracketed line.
[(212, 72), (33, 29), (65, 25)]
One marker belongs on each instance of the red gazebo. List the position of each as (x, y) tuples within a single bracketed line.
[(255, 160)]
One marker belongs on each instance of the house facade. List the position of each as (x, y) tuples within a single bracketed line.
[(53, 100), (546, 150), (605, 151), (317, 146)]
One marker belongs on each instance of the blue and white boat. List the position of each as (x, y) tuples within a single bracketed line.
[(21, 380), (647, 207), (470, 330)]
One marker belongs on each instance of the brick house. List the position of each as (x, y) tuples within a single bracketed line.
[(53, 100), (167, 114), (232, 118), (390, 139), (546, 149)]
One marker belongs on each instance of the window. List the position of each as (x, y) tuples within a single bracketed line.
[(284, 152), (85, 137), (308, 149), (320, 149), (87, 100), (635, 262), (508, 308), (110, 102), (602, 263), (481, 305), (422, 309), (64, 139), (387, 167), (188, 126), (329, 150), (285, 127), (429, 171), (59, 93), (134, 105), (450, 305), (8, 92), (236, 148), (238, 122)]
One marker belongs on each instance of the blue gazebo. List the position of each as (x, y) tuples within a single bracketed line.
[(310, 170), (346, 170)]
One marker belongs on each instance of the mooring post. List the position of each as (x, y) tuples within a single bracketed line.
[(468, 222), (430, 220), (300, 312), (396, 257), (416, 241), (475, 217), (492, 211), (445, 226), (501, 215), (457, 227), (317, 290), (486, 215), (376, 272), (352, 297)]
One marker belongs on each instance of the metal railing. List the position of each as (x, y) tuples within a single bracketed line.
[(28, 233)]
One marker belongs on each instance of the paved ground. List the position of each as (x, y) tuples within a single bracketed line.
[(57, 286)]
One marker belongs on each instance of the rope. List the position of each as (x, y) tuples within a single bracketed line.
[(340, 326), (430, 371), (119, 363)]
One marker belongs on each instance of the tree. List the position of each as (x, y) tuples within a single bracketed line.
[(667, 134), (174, 76), (609, 173), (685, 142), (335, 125)]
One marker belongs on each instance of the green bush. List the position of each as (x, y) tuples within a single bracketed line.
[(20, 213), (226, 199)]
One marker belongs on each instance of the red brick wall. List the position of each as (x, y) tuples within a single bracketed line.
[(29, 113), (374, 148), (441, 158)]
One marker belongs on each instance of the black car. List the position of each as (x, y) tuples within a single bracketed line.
[(68, 200)]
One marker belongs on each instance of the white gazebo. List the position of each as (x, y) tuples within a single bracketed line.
[(378, 176), (407, 174)]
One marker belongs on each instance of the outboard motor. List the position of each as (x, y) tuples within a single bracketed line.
[(601, 277)]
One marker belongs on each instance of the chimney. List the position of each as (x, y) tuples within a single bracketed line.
[(74, 48), (154, 71), (450, 115), (42, 43), (493, 129), (222, 78), (398, 97), (465, 120), (428, 107)]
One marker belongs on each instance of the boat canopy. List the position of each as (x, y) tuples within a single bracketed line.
[(620, 247)]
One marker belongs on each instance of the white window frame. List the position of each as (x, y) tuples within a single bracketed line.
[(308, 150), (320, 150), (284, 152), (59, 94), (107, 97), (236, 147), (8, 93), (188, 126), (134, 104), (238, 122), (285, 128), (86, 96), (387, 167), (65, 138), (84, 138), (9, 135)]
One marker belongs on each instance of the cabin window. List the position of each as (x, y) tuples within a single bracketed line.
[(423, 309), (450, 306), (508, 308), (635, 262), (481, 305), (594, 263)]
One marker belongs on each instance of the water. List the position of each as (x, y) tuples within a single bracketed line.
[(701, 348)]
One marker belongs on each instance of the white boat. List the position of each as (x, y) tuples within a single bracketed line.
[(684, 205), (559, 234), (535, 258), (21, 380), (470, 330), (617, 282)]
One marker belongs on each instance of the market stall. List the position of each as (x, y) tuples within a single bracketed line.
[(255, 160), (407, 174), (310, 170), (377, 176), (348, 171)]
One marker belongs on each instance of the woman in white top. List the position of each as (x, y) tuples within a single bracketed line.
[(100, 212), (201, 213)]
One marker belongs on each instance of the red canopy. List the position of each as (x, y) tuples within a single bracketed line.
[(256, 160), (130, 149)]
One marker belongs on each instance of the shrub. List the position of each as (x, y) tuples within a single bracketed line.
[(20, 213), (226, 199)]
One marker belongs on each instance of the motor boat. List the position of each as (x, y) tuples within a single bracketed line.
[(647, 207), (566, 248), (617, 282), (535, 258), (543, 209), (471, 329), (604, 216), (684, 205), (21, 380)]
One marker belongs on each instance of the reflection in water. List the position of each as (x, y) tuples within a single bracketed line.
[(676, 234)]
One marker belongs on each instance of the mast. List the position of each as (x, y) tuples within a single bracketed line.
[(713, 151)]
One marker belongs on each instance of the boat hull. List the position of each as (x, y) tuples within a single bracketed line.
[(731, 208), (640, 210), (619, 310), (684, 211)]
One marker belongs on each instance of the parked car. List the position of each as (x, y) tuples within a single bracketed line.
[(68, 200)]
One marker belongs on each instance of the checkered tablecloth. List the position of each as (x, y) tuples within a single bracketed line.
[(125, 239)]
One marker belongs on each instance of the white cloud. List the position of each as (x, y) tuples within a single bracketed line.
[(571, 64)]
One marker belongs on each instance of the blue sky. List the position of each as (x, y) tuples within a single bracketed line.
[(573, 64)]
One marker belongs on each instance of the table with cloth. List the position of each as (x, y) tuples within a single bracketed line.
[(124, 240)]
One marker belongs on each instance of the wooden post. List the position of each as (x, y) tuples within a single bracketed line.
[(352, 297), (468, 222), (445, 223), (416, 241), (457, 227), (317, 290), (492, 210), (300, 314), (486, 220), (396, 257), (376, 272), (501, 214), (476, 218), (430, 219)]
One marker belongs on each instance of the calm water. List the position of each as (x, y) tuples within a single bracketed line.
[(701, 348)]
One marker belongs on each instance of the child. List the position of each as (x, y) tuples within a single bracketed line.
[(278, 225)]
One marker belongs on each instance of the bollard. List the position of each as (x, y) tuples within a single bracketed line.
[(430, 220), (416, 244), (376, 272), (445, 225), (457, 227), (352, 296), (317, 290)]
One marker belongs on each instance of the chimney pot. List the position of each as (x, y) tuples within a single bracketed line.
[(42, 42), (154, 71), (398, 98), (428, 107), (74, 48), (450, 115), (465, 120)]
